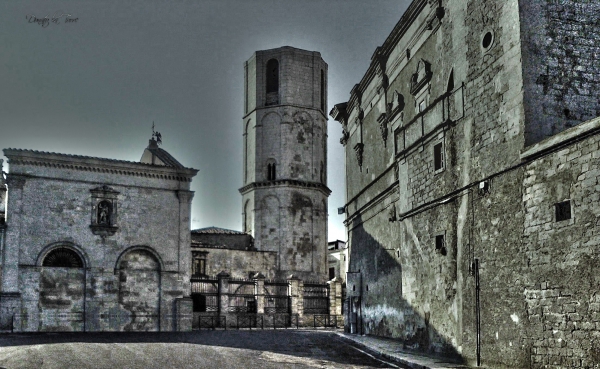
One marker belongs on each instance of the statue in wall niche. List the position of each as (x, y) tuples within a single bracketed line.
[(104, 213)]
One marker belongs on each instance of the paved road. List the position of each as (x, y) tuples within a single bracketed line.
[(203, 349)]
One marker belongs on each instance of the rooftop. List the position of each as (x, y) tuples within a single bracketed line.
[(216, 230)]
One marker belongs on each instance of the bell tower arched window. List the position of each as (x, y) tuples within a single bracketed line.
[(271, 172), (272, 82), (272, 76)]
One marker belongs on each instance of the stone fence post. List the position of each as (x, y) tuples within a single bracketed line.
[(223, 292), (184, 314), (259, 292), (296, 295), (335, 296)]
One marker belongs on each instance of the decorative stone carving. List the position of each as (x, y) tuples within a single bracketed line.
[(104, 211), (396, 105), (185, 197), (345, 137), (382, 119), (421, 77), (358, 149)]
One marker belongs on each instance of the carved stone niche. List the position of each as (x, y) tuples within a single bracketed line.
[(382, 120), (104, 211), (421, 77), (358, 149), (345, 137), (396, 105)]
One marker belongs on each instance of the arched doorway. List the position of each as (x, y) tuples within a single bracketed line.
[(62, 290), (139, 290)]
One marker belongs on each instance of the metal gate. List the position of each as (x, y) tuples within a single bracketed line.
[(277, 300), (242, 296), (316, 298), (205, 295)]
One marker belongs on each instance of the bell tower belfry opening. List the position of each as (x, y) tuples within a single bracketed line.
[(284, 194)]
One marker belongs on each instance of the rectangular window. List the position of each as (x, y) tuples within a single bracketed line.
[(440, 245), (331, 273), (563, 210), (199, 264), (438, 157), (439, 242)]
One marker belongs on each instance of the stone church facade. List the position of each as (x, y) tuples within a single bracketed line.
[(94, 244), (472, 184)]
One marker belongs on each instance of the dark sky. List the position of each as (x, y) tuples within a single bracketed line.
[(94, 86)]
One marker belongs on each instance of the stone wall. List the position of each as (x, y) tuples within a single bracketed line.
[(285, 192), (422, 235), (137, 265), (224, 240), (560, 69), (562, 293), (239, 263)]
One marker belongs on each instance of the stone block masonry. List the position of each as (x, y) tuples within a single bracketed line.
[(95, 244), (284, 194), (474, 233)]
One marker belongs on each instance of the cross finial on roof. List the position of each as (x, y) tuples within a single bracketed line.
[(156, 135)]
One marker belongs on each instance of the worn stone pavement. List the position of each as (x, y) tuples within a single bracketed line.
[(211, 349), (200, 349), (393, 351)]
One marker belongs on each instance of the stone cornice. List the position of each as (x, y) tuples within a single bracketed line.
[(94, 164), (382, 53), (286, 183)]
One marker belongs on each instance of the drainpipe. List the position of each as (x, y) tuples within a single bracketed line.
[(477, 312)]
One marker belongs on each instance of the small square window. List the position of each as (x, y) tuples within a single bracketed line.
[(440, 244), (563, 210), (438, 157)]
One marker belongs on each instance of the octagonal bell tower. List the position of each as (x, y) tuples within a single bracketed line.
[(284, 192)]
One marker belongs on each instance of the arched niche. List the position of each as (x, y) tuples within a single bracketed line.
[(61, 288), (138, 270)]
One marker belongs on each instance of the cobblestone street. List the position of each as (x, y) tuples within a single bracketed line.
[(202, 349)]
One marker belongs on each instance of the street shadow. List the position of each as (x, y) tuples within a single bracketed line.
[(299, 343), (404, 291)]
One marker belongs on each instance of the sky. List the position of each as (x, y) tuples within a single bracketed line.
[(94, 85)]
